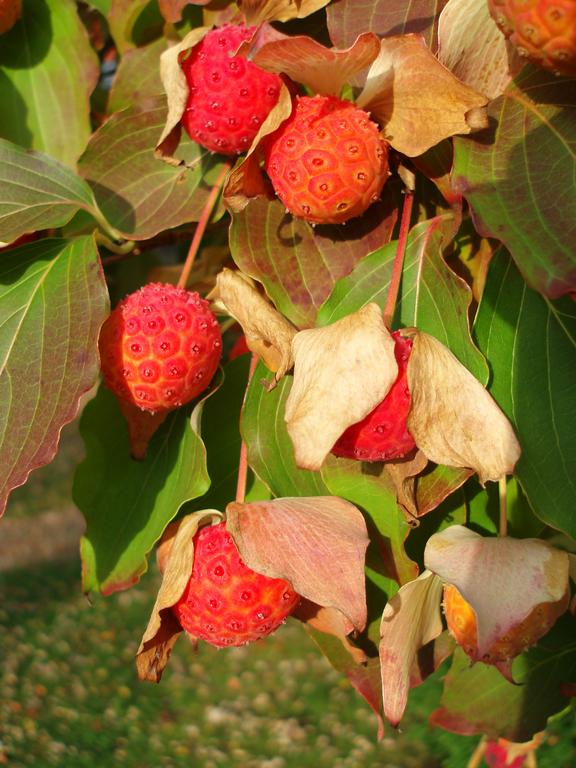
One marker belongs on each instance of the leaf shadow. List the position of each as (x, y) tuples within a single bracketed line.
[(28, 42), (116, 209)]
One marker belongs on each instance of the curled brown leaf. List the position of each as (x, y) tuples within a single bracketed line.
[(416, 99), (257, 11)]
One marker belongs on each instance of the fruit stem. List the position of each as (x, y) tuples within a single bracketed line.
[(503, 531), (202, 224), (398, 265), (243, 463)]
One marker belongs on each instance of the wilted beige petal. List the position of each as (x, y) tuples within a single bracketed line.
[(416, 99), (331, 622), (410, 620), (473, 48), (257, 11), (163, 628), (403, 476), (268, 333), (318, 544), (503, 579), (176, 87), (341, 373), (453, 419), (323, 70)]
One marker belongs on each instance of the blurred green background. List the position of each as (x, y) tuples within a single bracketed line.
[(70, 696)]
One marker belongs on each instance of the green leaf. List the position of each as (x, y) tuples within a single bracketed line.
[(134, 22), (137, 79), (139, 194), (299, 264), (517, 180), (479, 700), (53, 300), (349, 18), (529, 342), (270, 451), (47, 73), (128, 504), (432, 297), (368, 487), (37, 192)]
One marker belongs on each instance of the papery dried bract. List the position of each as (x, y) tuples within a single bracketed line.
[(163, 627), (410, 620), (268, 334), (341, 373), (257, 11), (323, 70), (318, 544), (502, 579), (453, 419), (417, 100), (246, 180), (176, 88), (473, 48)]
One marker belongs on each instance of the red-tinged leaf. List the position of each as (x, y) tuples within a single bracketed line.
[(479, 700), (171, 10), (374, 492), (139, 194), (417, 100), (432, 297), (47, 73), (37, 192), (137, 80), (318, 544), (298, 264), (436, 164), (473, 48), (270, 451), (323, 70), (163, 627), (503, 579), (410, 620), (520, 172), (128, 503), (53, 300), (437, 484), (365, 678), (348, 18)]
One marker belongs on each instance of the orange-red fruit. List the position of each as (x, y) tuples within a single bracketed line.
[(160, 347), (383, 434), (327, 162), (226, 603), (229, 97), (461, 621), (10, 12), (542, 30)]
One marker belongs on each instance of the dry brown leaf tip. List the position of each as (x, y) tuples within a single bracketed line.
[(341, 373), (453, 418), (176, 554), (268, 334)]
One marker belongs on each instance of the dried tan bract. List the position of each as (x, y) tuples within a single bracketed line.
[(341, 373), (453, 419), (268, 334)]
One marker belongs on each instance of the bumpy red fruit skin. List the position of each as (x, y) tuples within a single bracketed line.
[(229, 97), (226, 603), (327, 162), (461, 621), (542, 30), (160, 347), (383, 434)]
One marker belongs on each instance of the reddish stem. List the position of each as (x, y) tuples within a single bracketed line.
[(243, 463), (201, 226), (502, 493), (398, 259)]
